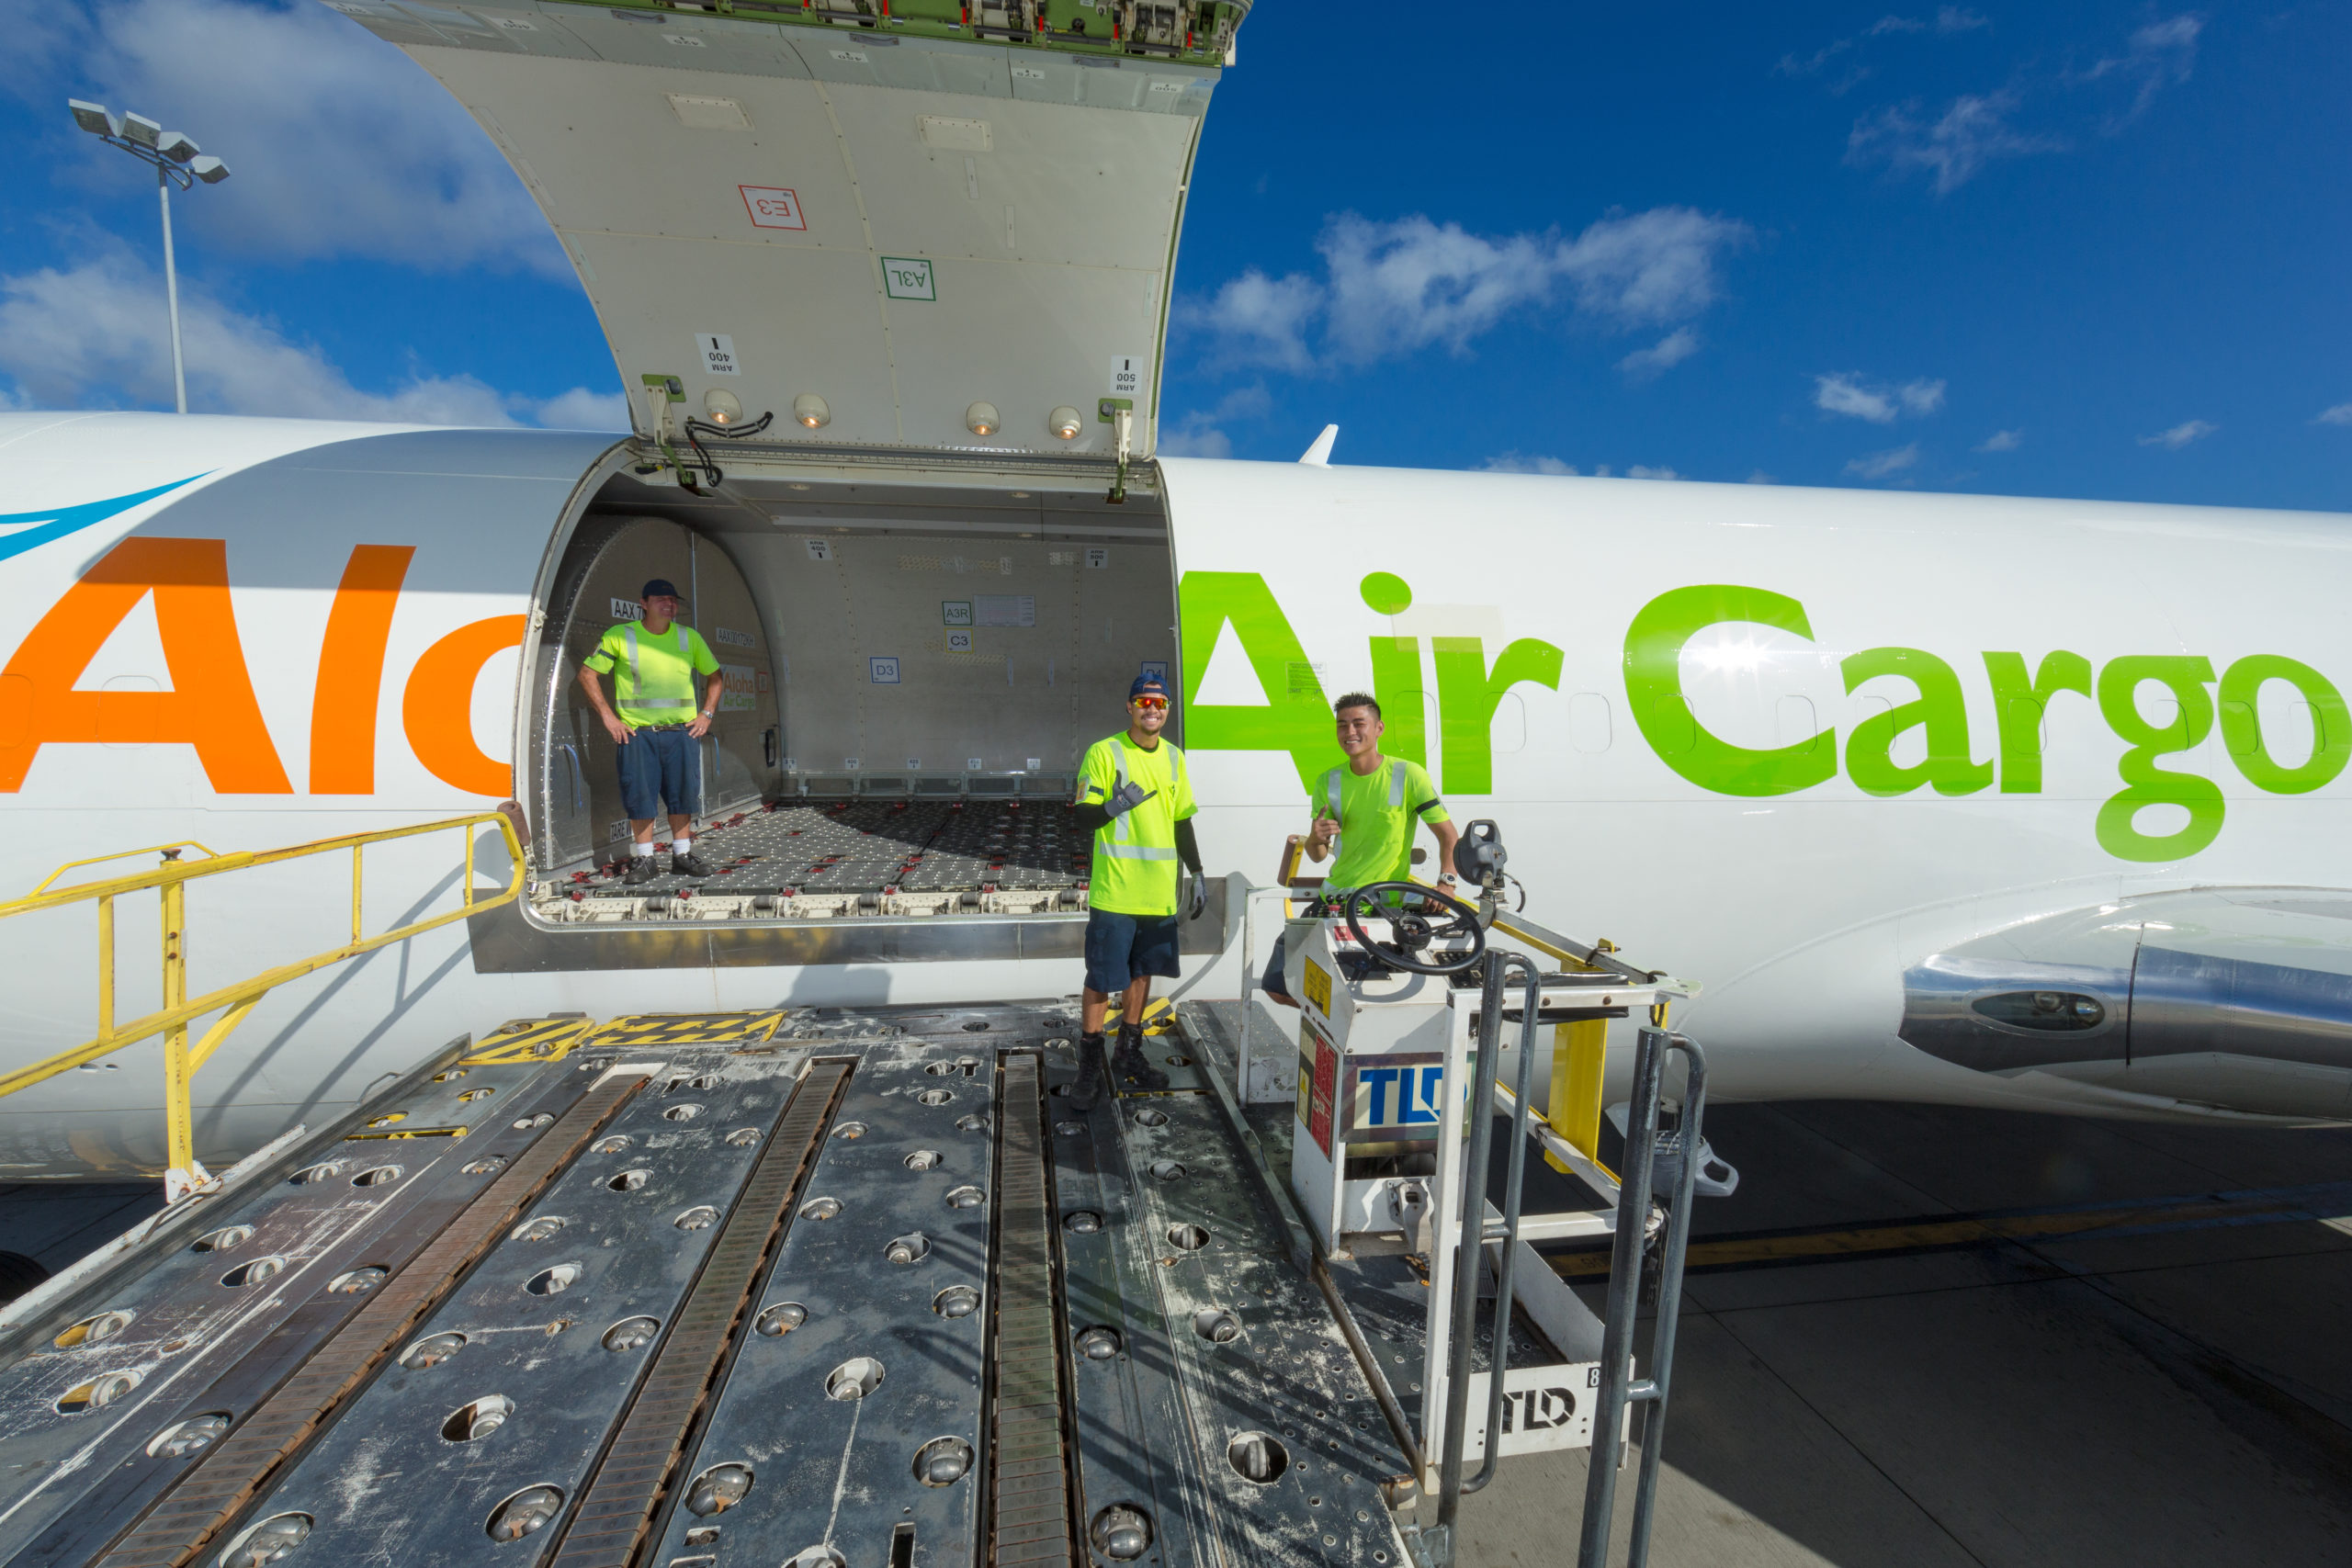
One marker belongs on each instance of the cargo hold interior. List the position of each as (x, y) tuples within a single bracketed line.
[(915, 664)]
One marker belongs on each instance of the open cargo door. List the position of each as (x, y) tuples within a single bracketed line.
[(948, 225)]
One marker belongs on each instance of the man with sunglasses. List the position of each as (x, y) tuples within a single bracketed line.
[(1136, 798)]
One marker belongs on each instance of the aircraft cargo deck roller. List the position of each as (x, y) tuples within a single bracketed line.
[(832, 1288)]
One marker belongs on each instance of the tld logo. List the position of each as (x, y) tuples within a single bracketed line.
[(1537, 1409)]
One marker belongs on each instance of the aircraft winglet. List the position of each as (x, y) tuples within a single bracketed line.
[(1319, 455)]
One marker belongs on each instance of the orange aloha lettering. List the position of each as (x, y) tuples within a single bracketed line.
[(351, 670), (210, 705), (438, 709)]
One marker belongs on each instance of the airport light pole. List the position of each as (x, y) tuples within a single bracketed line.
[(177, 161)]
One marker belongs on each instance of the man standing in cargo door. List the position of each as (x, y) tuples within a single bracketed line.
[(653, 664), (1136, 798)]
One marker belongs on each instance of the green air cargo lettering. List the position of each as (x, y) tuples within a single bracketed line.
[(2160, 706)]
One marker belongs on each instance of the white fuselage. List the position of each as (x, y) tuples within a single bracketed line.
[(1750, 733)]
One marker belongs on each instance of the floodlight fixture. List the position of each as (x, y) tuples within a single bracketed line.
[(981, 419), (177, 161)]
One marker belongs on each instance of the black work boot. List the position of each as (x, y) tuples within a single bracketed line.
[(641, 868), (691, 864), (1089, 1087), (1131, 1066)]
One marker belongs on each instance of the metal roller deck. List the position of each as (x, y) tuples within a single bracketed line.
[(844, 1288)]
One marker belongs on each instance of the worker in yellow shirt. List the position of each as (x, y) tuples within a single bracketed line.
[(656, 723), (1365, 811), (1136, 798)]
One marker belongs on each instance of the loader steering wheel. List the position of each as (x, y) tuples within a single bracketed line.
[(1441, 916)]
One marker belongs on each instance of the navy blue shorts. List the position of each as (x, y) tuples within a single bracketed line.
[(659, 765), (1122, 948)]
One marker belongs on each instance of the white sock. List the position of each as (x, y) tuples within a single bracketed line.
[(637, 849), (684, 844)]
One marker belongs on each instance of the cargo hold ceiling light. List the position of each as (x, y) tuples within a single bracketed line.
[(981, 419), (1064, 422), (723, 407), (177, 161), (810, 409)]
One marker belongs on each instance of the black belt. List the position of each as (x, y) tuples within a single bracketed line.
[(681, 724)]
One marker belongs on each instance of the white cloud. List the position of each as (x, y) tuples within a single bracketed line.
[(1971, 133), (2002, 441), (2180, 434), (1879, 465), (338, 143), (1393, 288), (1648, 363), (1525, 463), (1846, 392), (2155, 57), (1922, 397), (581, 408), (1198, 434), (1262, 321), (2340, 415), (1948, 20), (99, 337), (1530, 463)]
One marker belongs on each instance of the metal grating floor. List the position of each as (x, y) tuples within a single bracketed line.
[(866, 846), (812, 1288)]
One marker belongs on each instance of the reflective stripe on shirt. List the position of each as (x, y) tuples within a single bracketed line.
[(636, 680)]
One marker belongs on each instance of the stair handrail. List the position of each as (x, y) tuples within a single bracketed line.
[(234, 1002)]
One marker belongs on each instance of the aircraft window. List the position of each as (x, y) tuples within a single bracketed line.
[(1507, 732), (2022, 708), (1673, 730), (1795, 723), (1588, 722), (2237, 727), (2055, 1012)]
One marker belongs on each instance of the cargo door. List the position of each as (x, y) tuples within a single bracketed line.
[(933, 224)]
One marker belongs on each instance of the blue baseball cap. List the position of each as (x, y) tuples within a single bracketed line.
[(1152, 684), (659, 585)]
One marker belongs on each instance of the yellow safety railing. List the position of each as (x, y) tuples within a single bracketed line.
[(233, 1002)]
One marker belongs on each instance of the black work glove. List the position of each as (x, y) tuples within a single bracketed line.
[(1200, 904), (1126, 798)]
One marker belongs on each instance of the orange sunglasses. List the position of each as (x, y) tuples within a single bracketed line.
[(1152, 701)]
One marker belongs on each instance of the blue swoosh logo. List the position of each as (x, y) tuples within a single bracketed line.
[(58, 521)]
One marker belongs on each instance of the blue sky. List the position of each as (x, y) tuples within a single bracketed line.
[(2093, 250)]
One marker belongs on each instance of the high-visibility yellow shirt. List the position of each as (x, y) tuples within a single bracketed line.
[(1135, 853), (1376, 813), (653, 674)]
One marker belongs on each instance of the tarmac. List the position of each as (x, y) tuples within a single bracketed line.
[(1968, 1336)]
